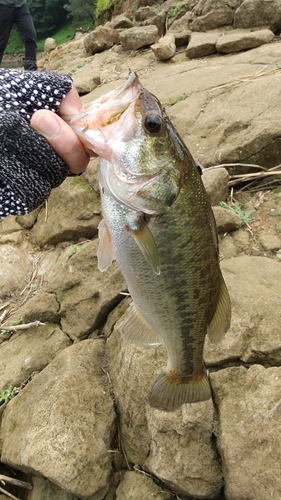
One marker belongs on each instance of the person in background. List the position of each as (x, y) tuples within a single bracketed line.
[(17, 12)]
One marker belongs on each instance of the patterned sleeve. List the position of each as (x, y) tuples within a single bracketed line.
[(29, 167)]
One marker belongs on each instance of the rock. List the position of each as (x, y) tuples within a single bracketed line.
[(45, 490), (159, 21), (165, 48), (216, 184), (160, 435), (254, 13), (242, 394), (137, 486), (269, 241), (73, 392), (77, 217), (181, 24), (216, 13), (144, 13), (237, 40), (50, 44), (86, 81), (135, 38), (202, 44), (85, 295), (14, 267), (30, 351), (121, 22), (41, 307), (226, 220), (102, 38), (254, 335)]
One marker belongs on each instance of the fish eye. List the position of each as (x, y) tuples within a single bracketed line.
[(153, 123)]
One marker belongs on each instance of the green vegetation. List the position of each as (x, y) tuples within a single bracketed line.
[(173, 11), (102, 6), (7, 394), (172, 102), (245, 215)]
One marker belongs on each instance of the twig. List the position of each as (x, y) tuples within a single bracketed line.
[(15, 482), (246, 165), (274, 409), (24, 326), (8, 494)]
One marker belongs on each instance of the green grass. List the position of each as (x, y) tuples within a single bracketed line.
[(62, 35)]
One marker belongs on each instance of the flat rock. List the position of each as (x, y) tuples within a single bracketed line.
[(254, 335), (242, 40), (202, 44)]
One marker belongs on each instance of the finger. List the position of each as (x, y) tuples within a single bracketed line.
[(71, 104), (62, 138)]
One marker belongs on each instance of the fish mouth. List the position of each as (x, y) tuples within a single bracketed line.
[(108, 108)]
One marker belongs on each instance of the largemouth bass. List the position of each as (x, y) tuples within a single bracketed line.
[(159, 226)]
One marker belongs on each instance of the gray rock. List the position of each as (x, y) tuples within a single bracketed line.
[(254, 13), (247, 438), (64, 437), (45, 490), (77, 217), (182, 38), (121, 22), (181, 24), (30, 351), (216, 184), (102, 38), (144, 13), (85, 81), (254, 335), (12, 271), (135, 38), (213, 19), (226, 220), (159, 21), (85, 295), (137, 486), (165, 48), (202, 44), (242, 40), (269, 241)]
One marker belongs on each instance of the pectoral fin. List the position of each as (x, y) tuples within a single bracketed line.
[(146, 243), (137, 331), (221, 320), (105, 252)]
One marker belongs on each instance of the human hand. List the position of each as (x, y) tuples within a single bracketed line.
[(29, 166), (60, 136)]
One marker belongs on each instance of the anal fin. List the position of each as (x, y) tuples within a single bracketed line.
[(137, 331), (220, 321)]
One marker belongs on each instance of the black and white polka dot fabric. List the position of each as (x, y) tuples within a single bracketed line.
[(29, 167)]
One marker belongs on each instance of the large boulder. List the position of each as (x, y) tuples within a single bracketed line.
[(63, 436), (254, 13), (102, 38), (137, 37)]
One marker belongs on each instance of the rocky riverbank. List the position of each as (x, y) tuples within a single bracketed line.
[(79, 426)]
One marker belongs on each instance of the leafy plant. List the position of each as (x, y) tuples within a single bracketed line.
[(245, 215), (172, 102), (7, 394), (173, 11)]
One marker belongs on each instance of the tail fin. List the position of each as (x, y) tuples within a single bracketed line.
[(170, 392)]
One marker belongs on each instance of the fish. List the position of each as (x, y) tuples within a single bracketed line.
[(159, 226)]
